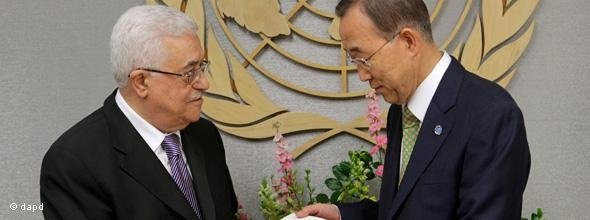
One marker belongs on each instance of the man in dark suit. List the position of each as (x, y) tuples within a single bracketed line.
[(457, 144), (146, 153)]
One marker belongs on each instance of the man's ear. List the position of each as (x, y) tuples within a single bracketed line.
[(411, 39), (139, 82)]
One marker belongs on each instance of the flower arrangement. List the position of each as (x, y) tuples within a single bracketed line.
[(279, 197), (349, 183)]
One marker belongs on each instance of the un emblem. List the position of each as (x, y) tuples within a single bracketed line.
[(498, 32)]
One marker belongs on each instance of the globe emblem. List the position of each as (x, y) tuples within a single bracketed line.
[(312, 50)]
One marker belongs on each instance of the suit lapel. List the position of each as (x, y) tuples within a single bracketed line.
[(425, 149), (140, 162), (151, 174), (196, 161), (429, 142), (392, 156)]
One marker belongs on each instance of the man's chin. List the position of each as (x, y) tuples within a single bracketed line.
[(394, 101), (389, 99), (193, 116)]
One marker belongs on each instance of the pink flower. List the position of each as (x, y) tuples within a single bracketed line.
[(281, 189), (373, 113), (285, 159), (278, 137), (374, 127), (374, 150), (283, 156), (241, 215), (381, 141), (287, 165), (379, 171), (371, 94), (375, 123)]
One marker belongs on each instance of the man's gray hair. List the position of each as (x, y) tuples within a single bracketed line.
[(137, 37)]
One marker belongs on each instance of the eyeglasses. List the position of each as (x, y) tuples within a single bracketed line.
[(365, 62), (188, 77)]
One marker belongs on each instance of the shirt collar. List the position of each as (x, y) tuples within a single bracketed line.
[(150, 134), (420, 100)]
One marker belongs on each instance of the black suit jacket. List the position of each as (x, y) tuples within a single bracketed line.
[(101, 168), (477, 168)]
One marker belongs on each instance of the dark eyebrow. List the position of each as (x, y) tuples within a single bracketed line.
[(353, 51)]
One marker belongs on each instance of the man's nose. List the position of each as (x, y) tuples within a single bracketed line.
[(202, 83), (364, 74)]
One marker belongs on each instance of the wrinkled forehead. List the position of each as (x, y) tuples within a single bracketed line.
[(183, 50)]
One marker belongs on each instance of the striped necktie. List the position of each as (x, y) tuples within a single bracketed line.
[(179, 171)]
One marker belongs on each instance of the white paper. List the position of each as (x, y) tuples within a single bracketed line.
[(292, 216)]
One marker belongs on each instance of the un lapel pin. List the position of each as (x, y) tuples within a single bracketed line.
[(438, 130)]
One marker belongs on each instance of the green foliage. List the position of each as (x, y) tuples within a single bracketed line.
[(310, 190), (270, 207), (276, 203), (349, 183), (538, 215), (322, 198), (296, 194)]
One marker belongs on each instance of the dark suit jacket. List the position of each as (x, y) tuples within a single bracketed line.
[(101, 168), (477, 168)]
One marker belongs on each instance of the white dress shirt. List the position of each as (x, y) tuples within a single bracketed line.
[(150, 134), (420, 100)]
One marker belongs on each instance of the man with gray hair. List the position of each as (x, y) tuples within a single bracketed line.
[(146, 153), (457, 146)]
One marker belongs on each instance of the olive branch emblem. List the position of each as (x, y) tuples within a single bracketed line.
[(494, 46)]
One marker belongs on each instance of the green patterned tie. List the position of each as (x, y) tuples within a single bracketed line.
[(411, 126)]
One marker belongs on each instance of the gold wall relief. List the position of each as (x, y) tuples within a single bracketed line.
[(500, 34)]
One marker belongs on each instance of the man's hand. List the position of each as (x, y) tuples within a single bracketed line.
[(326, 211)]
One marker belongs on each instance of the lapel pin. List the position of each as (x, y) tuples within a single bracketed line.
[(438, 129)]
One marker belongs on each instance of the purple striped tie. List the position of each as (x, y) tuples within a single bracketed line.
[(179, 171)]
